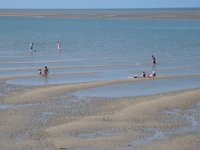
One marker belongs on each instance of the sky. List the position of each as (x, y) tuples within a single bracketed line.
[(97, 4)]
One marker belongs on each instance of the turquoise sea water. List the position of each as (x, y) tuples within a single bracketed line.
[(94, 50)]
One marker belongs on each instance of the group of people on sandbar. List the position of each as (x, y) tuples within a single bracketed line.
[(45, 71), (144, 75), (150, 75)]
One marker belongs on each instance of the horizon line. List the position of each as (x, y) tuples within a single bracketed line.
[(100, 8)]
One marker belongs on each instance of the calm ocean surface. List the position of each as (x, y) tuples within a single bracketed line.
[(96, 50)]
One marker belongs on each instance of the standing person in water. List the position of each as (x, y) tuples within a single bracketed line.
[(154, 60), (31, 47), (58, 46)]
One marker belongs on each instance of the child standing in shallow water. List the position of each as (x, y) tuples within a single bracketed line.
[(31, 47)]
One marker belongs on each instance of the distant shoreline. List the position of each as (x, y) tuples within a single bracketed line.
[(171, 13)]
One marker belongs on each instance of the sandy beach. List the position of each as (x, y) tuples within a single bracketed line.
[(51, 118)]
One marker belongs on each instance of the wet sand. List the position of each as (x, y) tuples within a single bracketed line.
[(50, 118), (106, 14)]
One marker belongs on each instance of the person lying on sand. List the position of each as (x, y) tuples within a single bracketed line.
[(152, 75)]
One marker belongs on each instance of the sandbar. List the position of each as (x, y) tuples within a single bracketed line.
[(48, 117), (192, 13)]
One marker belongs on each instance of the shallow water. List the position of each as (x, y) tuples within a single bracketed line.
[(99, 133), (5, 106), (121, 47), (11, 106), (139, 88)]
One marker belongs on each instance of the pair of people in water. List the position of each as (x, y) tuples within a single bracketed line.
[(32, 44), (45, 73)]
